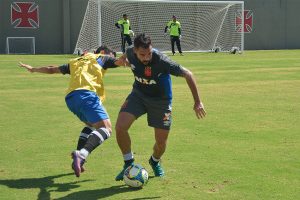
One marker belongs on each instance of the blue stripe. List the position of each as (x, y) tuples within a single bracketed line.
[(100, 62), (166, 83)]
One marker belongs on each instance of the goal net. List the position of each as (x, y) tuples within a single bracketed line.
[(20, 45), (205, 25)]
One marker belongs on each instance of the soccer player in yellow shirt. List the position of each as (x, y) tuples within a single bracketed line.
[(84, 98)]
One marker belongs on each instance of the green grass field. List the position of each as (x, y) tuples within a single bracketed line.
[(248, 146)]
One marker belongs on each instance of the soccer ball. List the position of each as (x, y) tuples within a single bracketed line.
[(135, 176), (131, 33), (234, 50)]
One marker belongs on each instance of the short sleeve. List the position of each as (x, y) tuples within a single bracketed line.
[(64, 69), (108, 62), (171, 66)]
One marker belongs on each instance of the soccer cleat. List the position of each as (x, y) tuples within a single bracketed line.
[(119, 177), (157, 169), (82, 168), (77, 164)]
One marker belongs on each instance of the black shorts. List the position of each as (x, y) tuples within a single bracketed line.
[(158, 110)]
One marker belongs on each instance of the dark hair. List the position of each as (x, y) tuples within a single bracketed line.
[(142, 40), (124, 15), (106, 50)]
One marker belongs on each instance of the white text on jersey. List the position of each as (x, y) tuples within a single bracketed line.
[(145, 81)]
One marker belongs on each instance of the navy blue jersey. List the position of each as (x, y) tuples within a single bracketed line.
[(154, 79)]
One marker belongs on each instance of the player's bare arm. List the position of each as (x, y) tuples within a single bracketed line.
[(198, 106), (52, 69)]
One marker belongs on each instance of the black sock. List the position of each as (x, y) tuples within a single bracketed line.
[(153, 161), (96, 138), (84, 135), (129, 162)]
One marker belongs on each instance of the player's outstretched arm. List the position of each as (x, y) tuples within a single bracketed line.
[(198, 106), (44, 69)]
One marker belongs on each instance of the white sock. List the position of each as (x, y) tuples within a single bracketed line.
[(128, 156), (83, 153), (155, 159)]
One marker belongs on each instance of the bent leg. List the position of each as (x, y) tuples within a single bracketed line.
[(161, 137), (123, 124), (84, 135)]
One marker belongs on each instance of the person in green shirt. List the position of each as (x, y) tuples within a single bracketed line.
[(175, 33), (124, 26)]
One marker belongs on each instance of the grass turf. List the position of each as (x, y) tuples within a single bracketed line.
[(248, 146)]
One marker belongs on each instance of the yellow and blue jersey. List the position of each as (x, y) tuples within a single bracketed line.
[(87, 72)]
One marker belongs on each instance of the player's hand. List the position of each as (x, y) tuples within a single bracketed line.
[(123, 61), (28, 67), (180, 37), (199, 110)]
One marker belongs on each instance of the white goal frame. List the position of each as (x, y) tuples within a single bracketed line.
[(31, 48), (103, 25)]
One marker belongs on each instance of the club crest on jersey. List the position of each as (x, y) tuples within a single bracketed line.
[(148, 71)]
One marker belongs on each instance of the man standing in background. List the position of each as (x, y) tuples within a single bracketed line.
[(175, 34), (126, 31)]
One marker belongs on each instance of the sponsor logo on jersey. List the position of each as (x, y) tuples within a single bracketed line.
[(145, 81)]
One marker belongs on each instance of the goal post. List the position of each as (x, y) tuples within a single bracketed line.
[(205, 25), (20, 45)]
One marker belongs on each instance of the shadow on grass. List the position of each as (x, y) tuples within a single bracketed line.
[(45, 184), (102, 193)]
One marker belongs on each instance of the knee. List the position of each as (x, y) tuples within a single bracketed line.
[(120, 128), (161, 144)]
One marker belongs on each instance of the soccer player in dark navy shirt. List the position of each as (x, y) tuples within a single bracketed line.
[(151, 94)]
